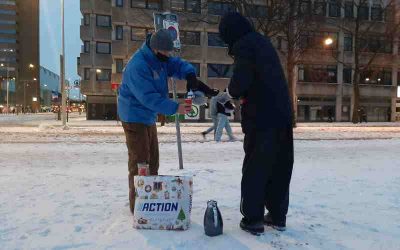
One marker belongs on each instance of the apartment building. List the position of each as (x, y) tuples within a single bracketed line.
[(112, 30), (19, 53)]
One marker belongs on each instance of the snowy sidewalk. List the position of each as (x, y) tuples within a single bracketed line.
[(47, 133), (344, 195)]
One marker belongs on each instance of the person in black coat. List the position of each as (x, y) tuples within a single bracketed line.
[(259, 82)]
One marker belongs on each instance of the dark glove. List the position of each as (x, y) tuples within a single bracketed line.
[(196, 85), (192, 83)]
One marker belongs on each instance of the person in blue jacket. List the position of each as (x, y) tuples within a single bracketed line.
[(144, 93)]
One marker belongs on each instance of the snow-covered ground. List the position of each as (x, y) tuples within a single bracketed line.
[(68, 189)]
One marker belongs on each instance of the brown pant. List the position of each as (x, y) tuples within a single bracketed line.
[(142, 143)]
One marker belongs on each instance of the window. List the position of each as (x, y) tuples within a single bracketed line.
[(348, 42), (86, 19), (305, 7), (119, 65), (197, 68), (389, 13), (219, 70), (86, 74), (8, 12), (193, 6), (318, 73), (377, 13), (316, 40), (139, 34), (378, 76), (147, 4), (256, 10), (363, 12), (8, 40), (190, 38), (7, 22), (378, 44), (103, 48), (320, 8), (349, 10), (119, 3), (8, 32), (7, 2), (103, 75), (86, 46), (334, 8), (215, 40), (103, 21), (220, 8), (119, 32), (347, 72)]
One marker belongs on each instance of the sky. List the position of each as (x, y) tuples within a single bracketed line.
[(50, 36)]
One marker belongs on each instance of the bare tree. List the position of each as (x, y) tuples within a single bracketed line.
[(372, 33), (284, 22)]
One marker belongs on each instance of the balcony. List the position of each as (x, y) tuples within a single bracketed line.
[(100, 60), (118, 15), (137, 17), (102, 33), (116, 77), (316, 89), (101, 6), (218, 55), (191, 52), (86, 33), (119, 48), (85, 86), (369, 90)]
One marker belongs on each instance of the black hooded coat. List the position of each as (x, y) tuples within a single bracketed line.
[(258, 78)]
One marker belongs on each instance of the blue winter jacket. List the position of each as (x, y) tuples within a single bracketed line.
[(144, 90)]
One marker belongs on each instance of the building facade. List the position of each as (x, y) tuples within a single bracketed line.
[(19, 53), (111, 31), (50, 88)]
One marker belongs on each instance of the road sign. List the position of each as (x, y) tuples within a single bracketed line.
[(170, 22), (173, 28)]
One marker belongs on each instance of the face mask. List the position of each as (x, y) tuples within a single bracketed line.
[(162, 58)]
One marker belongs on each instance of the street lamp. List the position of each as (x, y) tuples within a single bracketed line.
[(31, 66), (98, 70), (328, 41)]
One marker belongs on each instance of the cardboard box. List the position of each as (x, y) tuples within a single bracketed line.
[(163, 202)]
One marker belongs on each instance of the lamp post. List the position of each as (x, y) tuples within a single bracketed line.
[(30, 67), (8, 88), (62, 70)]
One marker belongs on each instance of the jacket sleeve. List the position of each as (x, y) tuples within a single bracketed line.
[(242, 78), (143, 89), (178, 68)]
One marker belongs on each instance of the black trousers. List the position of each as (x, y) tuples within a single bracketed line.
[(267, 171)]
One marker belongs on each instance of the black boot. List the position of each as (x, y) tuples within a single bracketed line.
[(255, 228), (278, 225), (204, 135)]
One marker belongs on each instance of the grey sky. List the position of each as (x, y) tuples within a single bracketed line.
[(50, 35)]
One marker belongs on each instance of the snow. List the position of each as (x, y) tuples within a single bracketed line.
[(67, 189)]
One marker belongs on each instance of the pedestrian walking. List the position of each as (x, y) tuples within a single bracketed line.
[(224, 110), (214, 118)]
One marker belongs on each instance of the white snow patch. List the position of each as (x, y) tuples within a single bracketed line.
[(344, 195)]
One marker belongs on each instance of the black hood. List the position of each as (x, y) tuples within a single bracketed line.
[(234, 26)]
